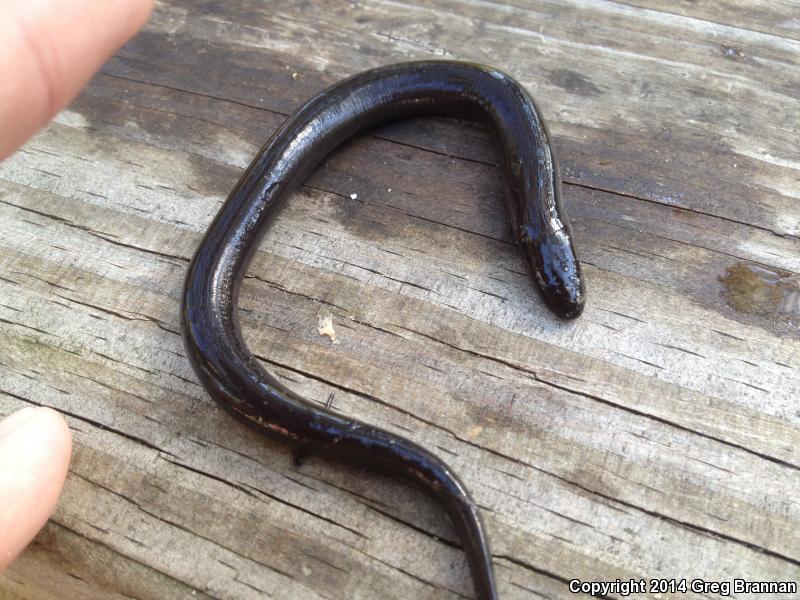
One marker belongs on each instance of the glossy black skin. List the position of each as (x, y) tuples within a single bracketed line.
[(210, 325)]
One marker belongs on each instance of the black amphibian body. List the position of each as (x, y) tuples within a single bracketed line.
[(210, 325)]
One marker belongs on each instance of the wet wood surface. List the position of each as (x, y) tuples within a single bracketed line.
[(655, 437)]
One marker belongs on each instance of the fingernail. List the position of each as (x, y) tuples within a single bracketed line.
[(15, 419)]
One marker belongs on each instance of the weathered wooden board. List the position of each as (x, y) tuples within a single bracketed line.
[(655, 437)]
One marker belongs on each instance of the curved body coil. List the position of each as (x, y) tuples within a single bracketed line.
[(210, 325)]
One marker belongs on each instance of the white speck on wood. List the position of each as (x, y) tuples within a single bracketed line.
[(325, 326)]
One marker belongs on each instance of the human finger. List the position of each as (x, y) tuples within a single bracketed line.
[(50, 49), (35, 448)]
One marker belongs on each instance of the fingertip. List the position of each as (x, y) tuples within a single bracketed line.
[(139, 12), (51, 48), (55, 433), (35, 448)]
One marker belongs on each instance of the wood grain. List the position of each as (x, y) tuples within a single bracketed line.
[(655, 437)]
